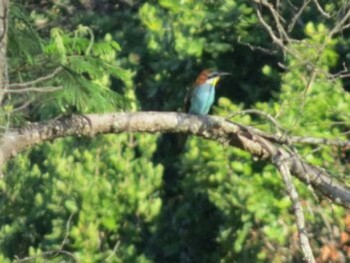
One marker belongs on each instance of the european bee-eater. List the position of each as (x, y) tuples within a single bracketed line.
[(201, 97)]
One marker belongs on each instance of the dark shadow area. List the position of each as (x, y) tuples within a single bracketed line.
[(188, 224)]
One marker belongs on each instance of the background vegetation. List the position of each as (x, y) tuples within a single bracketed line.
[(133, 197)]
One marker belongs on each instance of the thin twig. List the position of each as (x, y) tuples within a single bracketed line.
[(67, 231), (257, 48), (318, 141), (320, 9), (115, 249), (258, 112), (48, 254), (279, 21), (36, 81), (339, 26), (304, 243), (278, 41), (297, 15), (285, 139), (34, 89), (22, 107), (54, 253)]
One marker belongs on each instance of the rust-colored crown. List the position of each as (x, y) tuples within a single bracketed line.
[(202, 77)]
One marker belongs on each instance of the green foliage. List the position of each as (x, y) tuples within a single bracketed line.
[(87, 69), (131, 198), (319, 105), (83, 194), (182, 39)]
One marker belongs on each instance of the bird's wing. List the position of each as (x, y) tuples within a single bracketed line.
[(187, 101), (200, 80)]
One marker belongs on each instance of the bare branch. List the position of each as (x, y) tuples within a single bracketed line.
[(278, 41), (208, 127), (3, 47), (3, 17), (282, 39), (51, 253), (339, 26), (344, 73), (269, 29), (346, 26), (283, 168), (290, 140), (320, 9), (256, 48), (67, 231), (55, 253), (297, 15), (318, 141), (35, 89), (115, 249), (23, 106), (258, 112), (36, 81), (279, 21)]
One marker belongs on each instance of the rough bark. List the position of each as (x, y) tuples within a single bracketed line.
[(3, 44), (209, 127)]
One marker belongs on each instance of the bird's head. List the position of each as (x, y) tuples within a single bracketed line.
[(209, 76)]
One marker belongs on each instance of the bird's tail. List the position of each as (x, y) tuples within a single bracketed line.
[(181, 140)]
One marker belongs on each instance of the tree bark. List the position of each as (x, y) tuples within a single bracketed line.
[(209, 127), (4, 4), (4, 7)]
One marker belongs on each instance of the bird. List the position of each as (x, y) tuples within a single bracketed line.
[(200, 97)]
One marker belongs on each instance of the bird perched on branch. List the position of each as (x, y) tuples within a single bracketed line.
[(201, 96)]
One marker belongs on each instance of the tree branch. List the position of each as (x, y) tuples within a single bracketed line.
[(290, 140), (320, 9), (28, 84), (209, 127), (282, 166), (34, 89), (3, 47)]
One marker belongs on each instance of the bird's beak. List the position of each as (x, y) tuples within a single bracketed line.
[(223, 74)]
